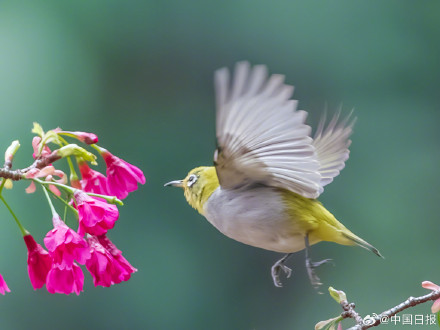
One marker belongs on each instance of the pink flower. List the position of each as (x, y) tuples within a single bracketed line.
[(87, 138), (92, 181), (100, 264), (65, 280), (48, 173), (435, 308), (36, 144), (3, 286), (122, 177), (103, 266), (126, 269), (95, 216), (39, 262), (65, 245)]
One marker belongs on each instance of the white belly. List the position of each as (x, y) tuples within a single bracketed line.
[(255, 217)]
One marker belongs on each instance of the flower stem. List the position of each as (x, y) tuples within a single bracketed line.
[(44, 183), (110, 199), (63, 141), (24, 232), (98, 148), (69, 161), (65, 212), (62, 200), (49, 201), (2, 185), (72, 168)]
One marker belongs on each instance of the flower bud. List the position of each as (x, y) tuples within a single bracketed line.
[(39, 262), (84, 137), (337, 295), (10, 152), (77, 151)]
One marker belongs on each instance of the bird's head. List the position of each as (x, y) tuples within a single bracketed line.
[(198, 185)]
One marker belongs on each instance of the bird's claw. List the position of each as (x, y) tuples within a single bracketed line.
[(276, 269), (310, 265)]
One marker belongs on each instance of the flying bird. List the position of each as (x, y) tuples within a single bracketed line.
[(269, 171)]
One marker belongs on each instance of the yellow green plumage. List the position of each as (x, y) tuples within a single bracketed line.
[(305, 215)]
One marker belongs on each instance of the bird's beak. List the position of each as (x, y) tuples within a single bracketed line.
[(175, 183)]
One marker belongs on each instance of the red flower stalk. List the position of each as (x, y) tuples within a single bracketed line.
[(92, 181), (95, 216), (122, 177), (126, 269), (39, 262), (3, 286)]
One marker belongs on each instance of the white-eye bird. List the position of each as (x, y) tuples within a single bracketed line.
[(268, 171)]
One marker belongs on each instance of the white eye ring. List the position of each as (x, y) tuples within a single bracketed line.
[(191, 180)]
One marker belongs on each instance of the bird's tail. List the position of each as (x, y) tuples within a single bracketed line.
[(359, 241)]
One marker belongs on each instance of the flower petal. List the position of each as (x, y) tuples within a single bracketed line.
[(328, 324), (430, 286), (435, 308), (3, 286), (31, 188), (54, 190)]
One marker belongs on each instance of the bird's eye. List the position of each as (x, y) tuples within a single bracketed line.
[(191, 180)]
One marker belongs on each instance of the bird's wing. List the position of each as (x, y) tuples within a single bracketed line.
[(331, 144), (261, 136)]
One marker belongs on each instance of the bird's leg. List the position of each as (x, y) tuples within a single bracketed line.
[(277, 267), (310, 265)]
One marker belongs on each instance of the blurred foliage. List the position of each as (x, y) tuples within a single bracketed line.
[(139, 75)]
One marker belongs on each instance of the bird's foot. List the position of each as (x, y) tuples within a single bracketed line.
[(276, 269), (310, 265)]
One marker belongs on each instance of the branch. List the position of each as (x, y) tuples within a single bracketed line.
[(373, 321), (43, 162), (15, 175), (368, 321), (349, 312), (7, 173)]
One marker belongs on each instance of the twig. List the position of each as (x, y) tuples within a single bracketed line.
[(7, 173), (349, 312), (15, 175), (43, 162), (375, 320)]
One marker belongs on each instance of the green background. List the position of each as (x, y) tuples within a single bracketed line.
[(139, 75)]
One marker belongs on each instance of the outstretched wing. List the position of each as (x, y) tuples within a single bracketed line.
[(261, 136), (331, 144)]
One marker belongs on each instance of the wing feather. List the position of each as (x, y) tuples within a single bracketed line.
[(261, 136), (331, 144)]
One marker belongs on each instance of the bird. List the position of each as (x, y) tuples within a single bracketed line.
[(269, 171)]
